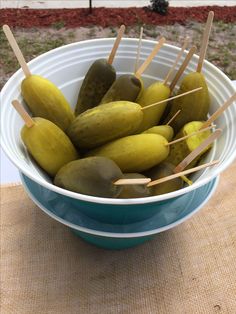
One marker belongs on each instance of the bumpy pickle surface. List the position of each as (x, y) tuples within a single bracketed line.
[(96, 83), (45, 100), (105, 123), (134, 190), (91, 176), (49, 145), (180, 150), (126, 87), (164, 130), (154, 93), (162, 170), (135, 153), (195, 106)]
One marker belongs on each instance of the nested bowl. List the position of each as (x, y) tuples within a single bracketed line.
[(118, 236), (66, 67)]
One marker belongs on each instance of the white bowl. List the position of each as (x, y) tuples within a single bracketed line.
[(66, 67)]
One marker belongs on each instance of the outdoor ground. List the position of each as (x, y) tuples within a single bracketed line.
[(34, 41)]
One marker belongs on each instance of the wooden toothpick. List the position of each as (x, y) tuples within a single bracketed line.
[(116, 44), (138, 49), (146, 63), (197, 151), (220, 111), (23, 113), (183, 67), (177, 60), (205, 41), (141, 181), (183, 173), (174, 116), (16, 50), (171, 98), (190, 135)]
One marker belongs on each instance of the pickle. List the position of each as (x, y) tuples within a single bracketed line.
[(45, 100), (141, 90), (134, 190), (91, 176), (154, 93), (164, 130), (96, 83), (135, 153), (126, 87), (105, 123), (162, 170), (180, 150), (48, 145), (195, 106)]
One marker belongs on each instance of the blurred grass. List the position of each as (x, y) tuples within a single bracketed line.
[(33, 42)]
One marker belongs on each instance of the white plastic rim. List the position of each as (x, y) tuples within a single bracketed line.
[(66, 67), (120, 235)]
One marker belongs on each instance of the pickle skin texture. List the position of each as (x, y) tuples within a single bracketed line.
[(154, 93), (126, 87), (180, 150), (105, 123), (49, 145), (164, 130), (45, 100), (96, 83), (162, 170), (135, 190), (91, 176), (135, 153), (195, 106)]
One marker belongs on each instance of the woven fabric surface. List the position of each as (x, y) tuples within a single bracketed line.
[(188, 269)]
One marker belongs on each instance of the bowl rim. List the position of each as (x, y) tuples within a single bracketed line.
[(111, 201), (215, 183)]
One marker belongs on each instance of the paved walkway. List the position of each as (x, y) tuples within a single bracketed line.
[(41, 4)]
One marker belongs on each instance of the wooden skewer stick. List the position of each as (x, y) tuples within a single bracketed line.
[(174, 116), (220, 111), (183, 67), (138, 49), (141, 181), (190, 135), (146, 63), (183, 173), (197, 151), (171, 98), (177, 60), (205, 41), (116, 44), (16, 50), (23, 113)]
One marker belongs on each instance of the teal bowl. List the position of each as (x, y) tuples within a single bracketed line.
[(124, 235)]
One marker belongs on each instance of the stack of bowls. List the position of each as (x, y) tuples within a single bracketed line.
[(115, 223)]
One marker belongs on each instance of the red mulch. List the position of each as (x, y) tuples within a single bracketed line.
[(112, 17)]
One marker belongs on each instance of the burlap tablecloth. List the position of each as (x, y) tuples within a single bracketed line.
[(189, 269)]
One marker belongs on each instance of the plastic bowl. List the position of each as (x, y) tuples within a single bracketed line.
[(111, 236), (66, 67)]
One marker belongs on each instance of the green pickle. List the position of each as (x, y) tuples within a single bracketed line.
[(164, 130), (45, 100), (125, 87), (195, 106), (105, 123), (160, 171), (91, 176), (96, 83), (154, 93), (134, 190), (135, 153), (180, 150), (48, 145)]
